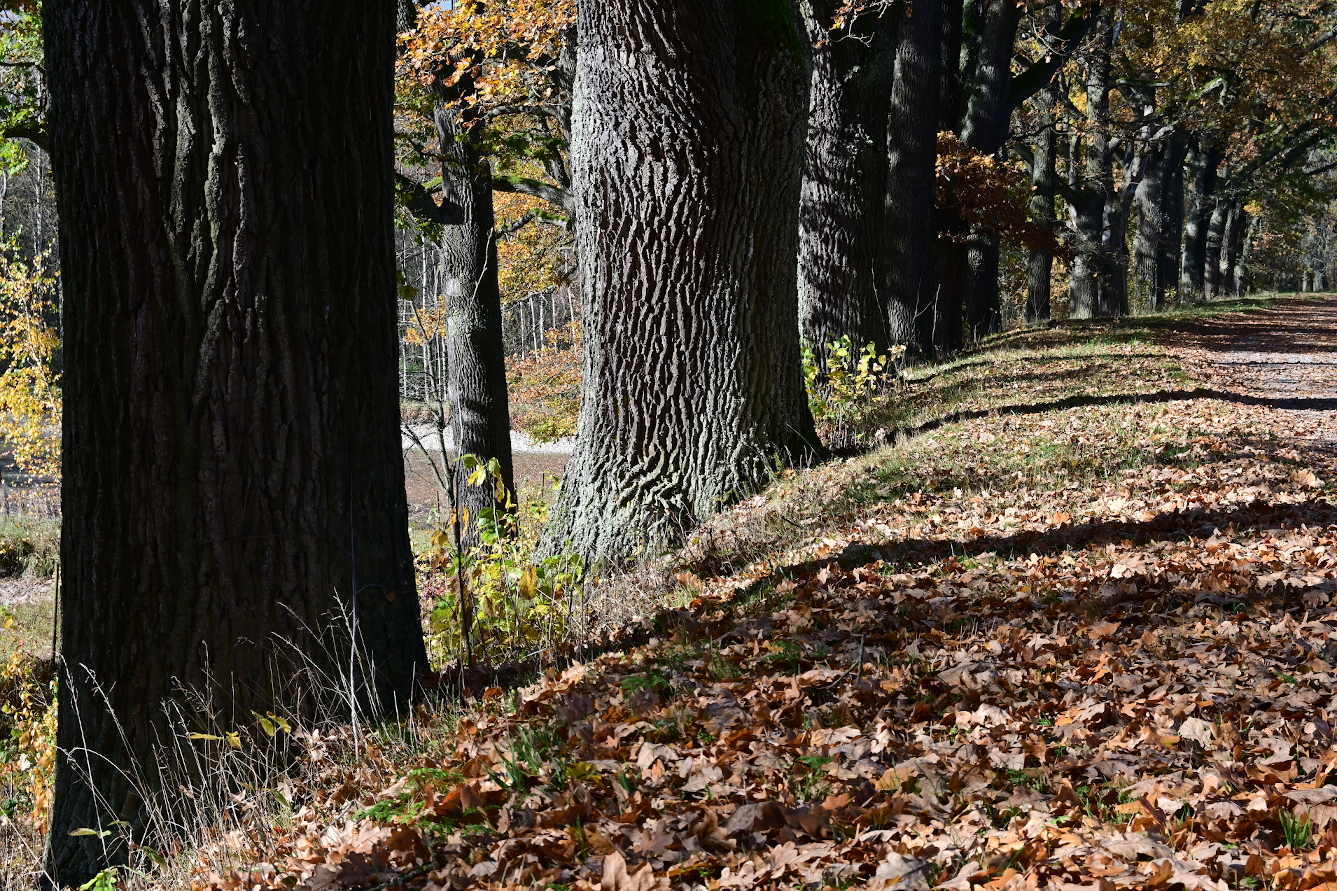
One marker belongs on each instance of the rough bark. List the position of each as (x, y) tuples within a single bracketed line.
[(1044, 185), (1200, 165), (480, 418), (233, 488), (1216, 236), (689, 138), (476, 400), (844, 172), (1155, 246), (1232, 246), (987, 35), (906, 259), (949, 55), (984, 126), (1096, 288)]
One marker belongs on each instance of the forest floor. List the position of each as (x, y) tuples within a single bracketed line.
[(1075, 629), (1079, 634)]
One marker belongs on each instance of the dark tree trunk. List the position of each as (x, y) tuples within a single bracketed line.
[(844, 173), (1231, 248), (1200, 165), (480, 418), (688, 172), (1097, 288), (1156, 241), (1172, 202), (988, 34), (983, 310), (1248, 232), (233, 487), (912, 153), (1044, 182), (949, 56)]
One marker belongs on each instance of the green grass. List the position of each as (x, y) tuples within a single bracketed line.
[(1064, 405), (27, 628), (29, 547)]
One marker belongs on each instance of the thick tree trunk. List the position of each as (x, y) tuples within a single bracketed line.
[(1044, 180), (949, 55), (689, 141), (233, 489), (844, 175), (1200, 165), (912, 151), (480, 418)]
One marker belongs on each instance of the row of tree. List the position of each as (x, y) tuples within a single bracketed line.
[(736, 175), (1142, 147)]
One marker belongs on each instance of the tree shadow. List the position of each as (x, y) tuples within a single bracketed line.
[(904, 434)]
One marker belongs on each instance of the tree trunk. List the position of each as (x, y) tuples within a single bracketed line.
[(912, 151), (480, 417), (1216, 236), (1044, 180), (1097, 288), (988, 34), (949, 55), (688, 170), (983, 310), (233, 489), (1199, 186), (1231, 247), (844, 172), (1156, 241)]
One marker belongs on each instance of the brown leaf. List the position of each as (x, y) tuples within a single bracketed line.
[(617, 878)]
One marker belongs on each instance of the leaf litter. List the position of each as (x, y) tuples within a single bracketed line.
[(1109, 680)]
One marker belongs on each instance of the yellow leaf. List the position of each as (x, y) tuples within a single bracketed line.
[(529, 583)]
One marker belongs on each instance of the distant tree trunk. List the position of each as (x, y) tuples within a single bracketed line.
[(480, 416), (1243, 277), (1200, 165), (1097, 275), (988, 34), (1044, 179), (1216, 235), (1231, 248), (233, 490), (912, 151), (476, 399), (844, 174), (1172, 204), (1156, 241), (693, 385)]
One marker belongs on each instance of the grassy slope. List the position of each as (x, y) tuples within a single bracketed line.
[(1066, 637)]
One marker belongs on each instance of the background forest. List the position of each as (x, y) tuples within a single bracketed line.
[(821, 468)]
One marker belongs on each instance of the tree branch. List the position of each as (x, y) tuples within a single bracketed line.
[(519, 185), (419, 202), (1036, 76), (34, 133)]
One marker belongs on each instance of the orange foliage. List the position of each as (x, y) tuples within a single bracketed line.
[(976, 189)]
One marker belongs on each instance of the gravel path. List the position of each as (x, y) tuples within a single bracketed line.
[(1284, 357), (16, 592)]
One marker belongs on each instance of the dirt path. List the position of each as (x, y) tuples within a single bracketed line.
[(1284, 358)]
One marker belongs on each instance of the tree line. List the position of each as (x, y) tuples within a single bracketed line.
[(736, 178)]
